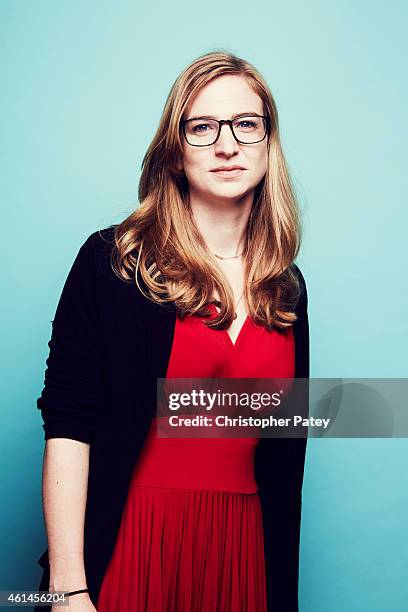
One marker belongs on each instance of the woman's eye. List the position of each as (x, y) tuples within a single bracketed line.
[(200, 128), (246, 124)]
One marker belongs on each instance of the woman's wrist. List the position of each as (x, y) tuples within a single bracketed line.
[(68, 580), (67, 571)]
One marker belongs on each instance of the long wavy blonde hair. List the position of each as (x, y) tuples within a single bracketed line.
[(159, 243)]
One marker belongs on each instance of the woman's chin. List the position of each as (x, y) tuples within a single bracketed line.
[(229, 192), (229, 195), (224, 192)]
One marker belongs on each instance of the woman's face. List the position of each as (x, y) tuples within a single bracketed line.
[(224, 98)]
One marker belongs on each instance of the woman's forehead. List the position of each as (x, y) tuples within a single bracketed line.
[(224, 97)]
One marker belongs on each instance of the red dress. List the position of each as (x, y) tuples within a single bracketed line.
[(191, 535)]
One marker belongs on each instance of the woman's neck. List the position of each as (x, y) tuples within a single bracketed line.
[(222, 224)]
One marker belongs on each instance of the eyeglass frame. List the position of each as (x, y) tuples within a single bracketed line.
[(221, 122)]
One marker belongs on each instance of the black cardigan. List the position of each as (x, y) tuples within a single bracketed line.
[(108, 346)]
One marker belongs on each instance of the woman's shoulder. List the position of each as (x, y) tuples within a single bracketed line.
[(302, 300), (93, 262), (295, 268), (102, 240), (97, 249), (97, 244), (100, 248)]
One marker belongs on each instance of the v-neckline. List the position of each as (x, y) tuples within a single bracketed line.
[(234, 345), (225, 332)]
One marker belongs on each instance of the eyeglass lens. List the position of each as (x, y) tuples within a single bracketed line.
[(247, 130)]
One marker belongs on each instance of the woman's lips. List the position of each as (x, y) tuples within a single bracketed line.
[(228, 173)]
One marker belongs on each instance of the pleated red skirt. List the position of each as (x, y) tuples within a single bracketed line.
[(191, 535)]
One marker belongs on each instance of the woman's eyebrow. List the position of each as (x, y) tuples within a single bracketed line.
[(251, 113)]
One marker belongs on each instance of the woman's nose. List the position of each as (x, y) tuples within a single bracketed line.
[(226, 143)]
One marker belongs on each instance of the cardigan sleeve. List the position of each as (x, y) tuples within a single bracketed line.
[(301, 330), (71, 401), (279, 469)]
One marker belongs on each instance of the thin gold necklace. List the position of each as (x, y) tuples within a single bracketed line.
[(233, 257)]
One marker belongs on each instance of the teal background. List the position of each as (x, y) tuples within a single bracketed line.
[(83, 86)]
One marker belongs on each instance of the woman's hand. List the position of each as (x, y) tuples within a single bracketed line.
[(77, 603)]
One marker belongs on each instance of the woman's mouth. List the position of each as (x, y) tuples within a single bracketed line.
[(232, 172)]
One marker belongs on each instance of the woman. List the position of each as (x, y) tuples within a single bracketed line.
[(198, 282)]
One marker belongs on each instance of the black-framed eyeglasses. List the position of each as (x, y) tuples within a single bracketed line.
[(247, 129)]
